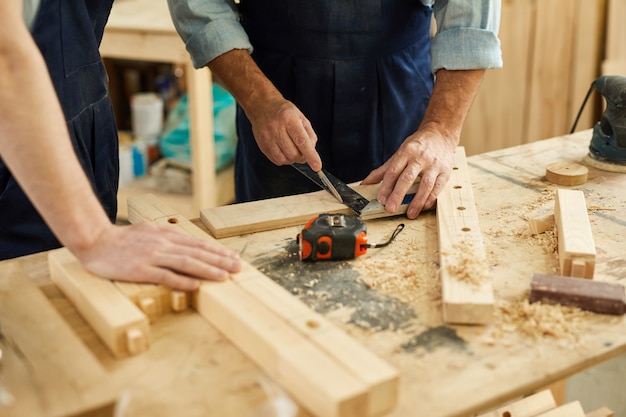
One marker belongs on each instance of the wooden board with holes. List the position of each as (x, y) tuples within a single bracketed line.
[(275, 213), (252, 302), (577, 251), (467, 291), (119, 323)]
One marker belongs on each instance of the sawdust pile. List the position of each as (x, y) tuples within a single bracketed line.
[(402, 274), (467, 263), (539, 321)]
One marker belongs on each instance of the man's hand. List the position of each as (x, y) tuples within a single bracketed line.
[(150, 253), (424, 154), (282, 132), (428, 153)]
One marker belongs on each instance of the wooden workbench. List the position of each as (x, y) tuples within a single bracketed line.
[(389, 299)]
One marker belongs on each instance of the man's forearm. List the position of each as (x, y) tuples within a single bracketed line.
[(243, 79), (452, 97)]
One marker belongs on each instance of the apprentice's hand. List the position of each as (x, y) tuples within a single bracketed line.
[(150, 253), (426, 154), (284, 134)]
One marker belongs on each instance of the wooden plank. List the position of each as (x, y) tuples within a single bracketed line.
[(573, 409), (293, 210), (119, 323), (577, 251), (467, 292), (550, 73), (601, 412), (38, 346), (380, 378), (530, 406), (317, 382)]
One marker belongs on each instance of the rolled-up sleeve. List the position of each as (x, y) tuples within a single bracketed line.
[(467, 35), (209, 28)]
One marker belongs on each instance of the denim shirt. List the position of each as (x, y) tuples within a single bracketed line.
[(466, 37)]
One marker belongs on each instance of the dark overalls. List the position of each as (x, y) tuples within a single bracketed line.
[(359, 70), (68, 34)]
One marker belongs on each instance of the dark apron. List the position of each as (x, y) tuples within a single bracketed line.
[(359, 70), (68, 34)]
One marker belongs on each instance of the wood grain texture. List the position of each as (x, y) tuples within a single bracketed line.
[(119, 323), (276, 213), (573, 409), (577, 251), (529, 406), (268, 299), (38, 346), (467, 292)]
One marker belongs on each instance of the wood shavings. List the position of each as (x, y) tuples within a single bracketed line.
[(401, 274), (539, 321), (466, 264)]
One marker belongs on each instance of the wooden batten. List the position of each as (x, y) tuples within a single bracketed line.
[(577, 252), (123, 328), (293, 210), (258, 302), (573, 409), (467, 292), (526, 407)]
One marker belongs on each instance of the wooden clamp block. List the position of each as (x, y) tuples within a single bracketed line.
[(280, 333), (123, 328), (154, 300), (467, 292), (276, 213), (577, 252), (526, 407)]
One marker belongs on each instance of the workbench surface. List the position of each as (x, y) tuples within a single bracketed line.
[(389, 299)]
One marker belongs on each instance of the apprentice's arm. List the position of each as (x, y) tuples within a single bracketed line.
[(215, 38), (465, 44), (36, 147)]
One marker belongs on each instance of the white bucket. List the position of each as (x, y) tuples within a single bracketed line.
[(146, 115)]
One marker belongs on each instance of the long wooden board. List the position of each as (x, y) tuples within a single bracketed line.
[(293, 210), (577, 250), (467, 291), (119, 323), (268, 302)]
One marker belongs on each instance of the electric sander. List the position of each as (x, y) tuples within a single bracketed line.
[(607, 150)]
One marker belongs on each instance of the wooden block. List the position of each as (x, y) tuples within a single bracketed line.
[(541, 219), (467, 292), (601, 412), (119, 323), (380, 379), (293, 210), (597, 296), (317, 382), (573, 409), (577, 252), (154, 300), (526, 407), (567, 173)]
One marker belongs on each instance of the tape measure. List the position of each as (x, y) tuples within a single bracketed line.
[(335, 237)]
